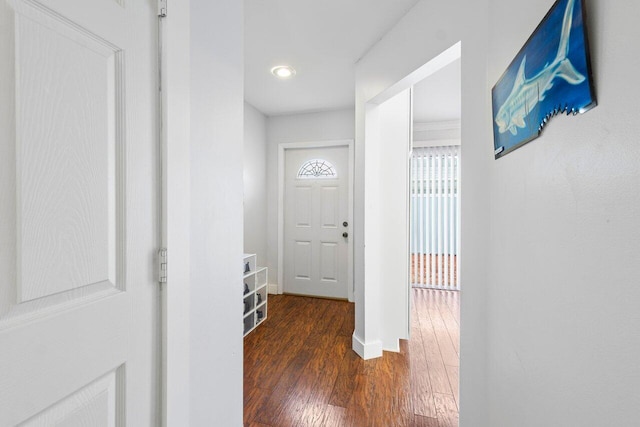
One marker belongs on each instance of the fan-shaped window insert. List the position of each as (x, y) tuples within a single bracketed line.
[(317, 168)]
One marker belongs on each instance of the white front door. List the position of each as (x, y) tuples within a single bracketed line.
[(79, 321), (316, 228)]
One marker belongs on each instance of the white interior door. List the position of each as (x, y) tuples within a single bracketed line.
[(315, 217), (79, 341)]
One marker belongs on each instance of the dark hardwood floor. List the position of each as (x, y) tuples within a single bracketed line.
[(299, 369)]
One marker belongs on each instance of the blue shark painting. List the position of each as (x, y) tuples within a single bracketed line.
[(550, 75)]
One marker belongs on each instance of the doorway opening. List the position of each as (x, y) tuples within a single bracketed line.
[(395, 130), (434, 189), (435, 180)]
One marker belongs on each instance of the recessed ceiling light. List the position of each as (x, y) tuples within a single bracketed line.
[(283, 72)]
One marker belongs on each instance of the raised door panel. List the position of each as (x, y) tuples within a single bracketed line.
[(302, 260), (62, 157), (328, 261), (93, 405), (66, 164), (303, 206), (329, 206)]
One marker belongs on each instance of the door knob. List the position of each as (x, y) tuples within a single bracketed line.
[(345, 234), (345, 224)]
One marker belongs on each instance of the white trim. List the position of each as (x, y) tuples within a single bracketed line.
[(436, 143), (176, 293), (282, 147), (395, 348), (369, 287), (366, 350), (434, 65), (273, 288)]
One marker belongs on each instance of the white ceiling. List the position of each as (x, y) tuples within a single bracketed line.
[(438, 97), (322, 40)]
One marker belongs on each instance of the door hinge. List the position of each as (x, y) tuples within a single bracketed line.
[(162, 265), (162, 8)]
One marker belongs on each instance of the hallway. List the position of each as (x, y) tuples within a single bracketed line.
[(299, 369)]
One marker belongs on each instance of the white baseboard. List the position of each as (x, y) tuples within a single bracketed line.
[(366, 351), (394, 347), (273, 288)]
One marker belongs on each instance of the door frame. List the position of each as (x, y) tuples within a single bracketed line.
[(282, 148), (176, 210)]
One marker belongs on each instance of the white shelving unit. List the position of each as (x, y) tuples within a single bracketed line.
[(255, 293)]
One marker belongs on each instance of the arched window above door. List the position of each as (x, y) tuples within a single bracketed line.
[(317, 168)]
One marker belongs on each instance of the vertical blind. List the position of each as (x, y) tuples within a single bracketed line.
[(435, 217)]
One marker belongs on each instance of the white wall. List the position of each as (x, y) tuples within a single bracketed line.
[(255, 183), (216, 212), (564, 323), (309, 127), (426, 31)]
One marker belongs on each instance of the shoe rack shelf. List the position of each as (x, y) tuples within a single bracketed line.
[(254, 293)]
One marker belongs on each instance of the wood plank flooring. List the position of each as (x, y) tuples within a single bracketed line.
[(299, 369)]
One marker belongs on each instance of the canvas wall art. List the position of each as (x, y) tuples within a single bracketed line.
[(550, 75)]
